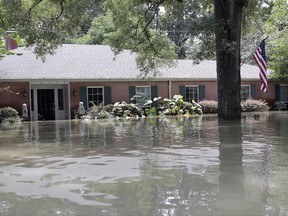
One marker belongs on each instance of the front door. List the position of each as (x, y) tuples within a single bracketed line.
[(46, 104)]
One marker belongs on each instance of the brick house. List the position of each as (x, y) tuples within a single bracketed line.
[(54, 88)]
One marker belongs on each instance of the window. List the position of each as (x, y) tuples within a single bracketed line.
[(143, 93), (283, 92), (96, 95), (245, 92), (191, 93)]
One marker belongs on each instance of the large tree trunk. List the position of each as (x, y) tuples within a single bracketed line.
[(228, 15)]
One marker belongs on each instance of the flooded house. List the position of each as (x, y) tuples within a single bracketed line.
[(52, 89)]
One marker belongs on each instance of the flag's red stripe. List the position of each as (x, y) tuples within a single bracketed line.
[(263, 72)]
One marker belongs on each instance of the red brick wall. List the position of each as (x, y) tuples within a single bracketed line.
[(268, 96), (14, 97), (210, 88), (120, 90)]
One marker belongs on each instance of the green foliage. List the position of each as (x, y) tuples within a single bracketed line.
[(277, 29), (100, 26), (124, 109), (8, 114), (151, 112), (135, 30), (44, 23), (255, 16), (98, 111), (251, 105), (190, 25), (209, 106), (177, 106), (281, 105)]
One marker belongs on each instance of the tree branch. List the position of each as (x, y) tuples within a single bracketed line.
[(62, 10), (145, 29), (31, 8)]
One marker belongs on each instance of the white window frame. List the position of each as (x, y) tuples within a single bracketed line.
[(282, 85), (188, 86), (137, 101), (88, 102), (249, 92)]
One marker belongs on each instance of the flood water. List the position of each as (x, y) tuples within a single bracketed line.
[(153, 166)]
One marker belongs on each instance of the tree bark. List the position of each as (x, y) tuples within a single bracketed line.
[(228, 15)]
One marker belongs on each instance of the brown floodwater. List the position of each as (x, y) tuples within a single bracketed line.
[(153, 166)]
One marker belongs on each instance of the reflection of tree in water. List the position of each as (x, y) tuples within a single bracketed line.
[(231, 190), (98, 134)]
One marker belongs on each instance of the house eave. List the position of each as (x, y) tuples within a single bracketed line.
[(55, 81)]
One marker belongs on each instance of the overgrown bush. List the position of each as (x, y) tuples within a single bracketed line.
[(98, 112), (8, 114), (124, 109), (209, 106), (251, 105), (175, 106)]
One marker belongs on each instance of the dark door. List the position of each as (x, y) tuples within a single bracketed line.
[(46, 104)]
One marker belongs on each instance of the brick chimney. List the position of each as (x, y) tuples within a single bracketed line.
[(9, 42)]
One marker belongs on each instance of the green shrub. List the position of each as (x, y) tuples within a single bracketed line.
[(251, 105), (98, 111), (209, 106), (281, 105), (8, 113), (124, 109), (177, 106)]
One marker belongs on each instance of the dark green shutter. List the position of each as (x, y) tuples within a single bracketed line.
[(277, 92), (83, 96), (132, 92), (154, 94), (182, 91), (107, 95), (201, 92), (253, 91)]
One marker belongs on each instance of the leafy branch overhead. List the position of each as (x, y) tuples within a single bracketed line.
[(42, 23), (159, 31), (135, 30)]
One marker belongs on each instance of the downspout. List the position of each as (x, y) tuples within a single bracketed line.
[(169, 89)]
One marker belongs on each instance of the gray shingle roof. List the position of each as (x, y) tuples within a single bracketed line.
[(82, 62)]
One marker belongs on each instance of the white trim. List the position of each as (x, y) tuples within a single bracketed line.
[(49, 82), (59, 114)]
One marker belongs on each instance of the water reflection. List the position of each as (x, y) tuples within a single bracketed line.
[(169, 166), (231, 177)]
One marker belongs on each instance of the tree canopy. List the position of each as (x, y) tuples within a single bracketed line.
[(277, 29), (42, 23)]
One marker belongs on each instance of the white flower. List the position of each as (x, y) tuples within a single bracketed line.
[(148, 102), (155, 99)]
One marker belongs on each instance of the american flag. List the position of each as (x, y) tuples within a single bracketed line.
[(260, 58)]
